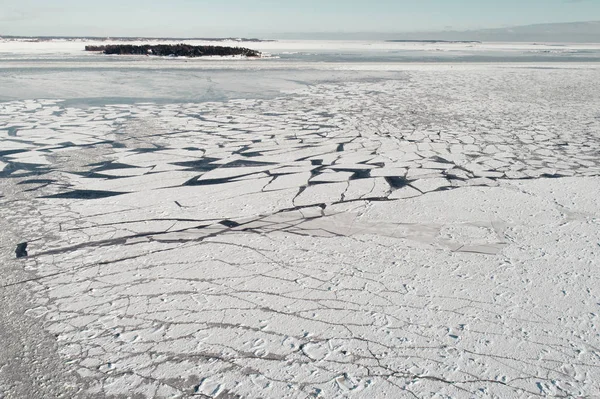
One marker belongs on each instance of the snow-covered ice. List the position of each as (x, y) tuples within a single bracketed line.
[(431, 234)]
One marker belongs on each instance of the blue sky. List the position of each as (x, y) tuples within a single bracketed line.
[(269, 17)]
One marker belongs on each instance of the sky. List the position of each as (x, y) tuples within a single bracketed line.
[(268, 18)]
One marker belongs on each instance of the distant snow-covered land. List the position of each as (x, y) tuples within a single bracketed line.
[(288, 229), (333, 50)]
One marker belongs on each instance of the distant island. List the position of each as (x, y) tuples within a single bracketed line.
[(174, 50), (434, 41), (131, 38)]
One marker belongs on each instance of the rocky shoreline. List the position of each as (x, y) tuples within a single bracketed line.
[(174, 50)]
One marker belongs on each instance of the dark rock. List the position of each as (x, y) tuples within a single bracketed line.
[(396, 181), (361, 174), (229, 223), (21, 250), (85, 194), (173, 50)]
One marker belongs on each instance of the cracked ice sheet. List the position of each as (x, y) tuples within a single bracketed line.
[(233, 264)]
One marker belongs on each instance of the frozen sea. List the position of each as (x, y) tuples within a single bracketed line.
[(336, 220)]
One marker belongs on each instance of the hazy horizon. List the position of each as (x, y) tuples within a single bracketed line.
[(584, 31), (267, 18)]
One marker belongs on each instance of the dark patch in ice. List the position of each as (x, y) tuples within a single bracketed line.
[(116, 144), (12, 131), (102, 166), (396, 181), (229, 223), (552, 176), (201, 165), (242, 149), (146, 150), (209, 182), (85, 194), (450, 176), (540, 387), (316, 171), (36, 181), (441, 160), (316, 162), (93, 175), (34, 169), (358, 174), (340, 148), (240, 163), (274, 173), (252, 154), (21, 251), (11, 152), (66, 144)]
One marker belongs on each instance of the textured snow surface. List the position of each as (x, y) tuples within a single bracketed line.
[(435, 235), (58, 46)]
